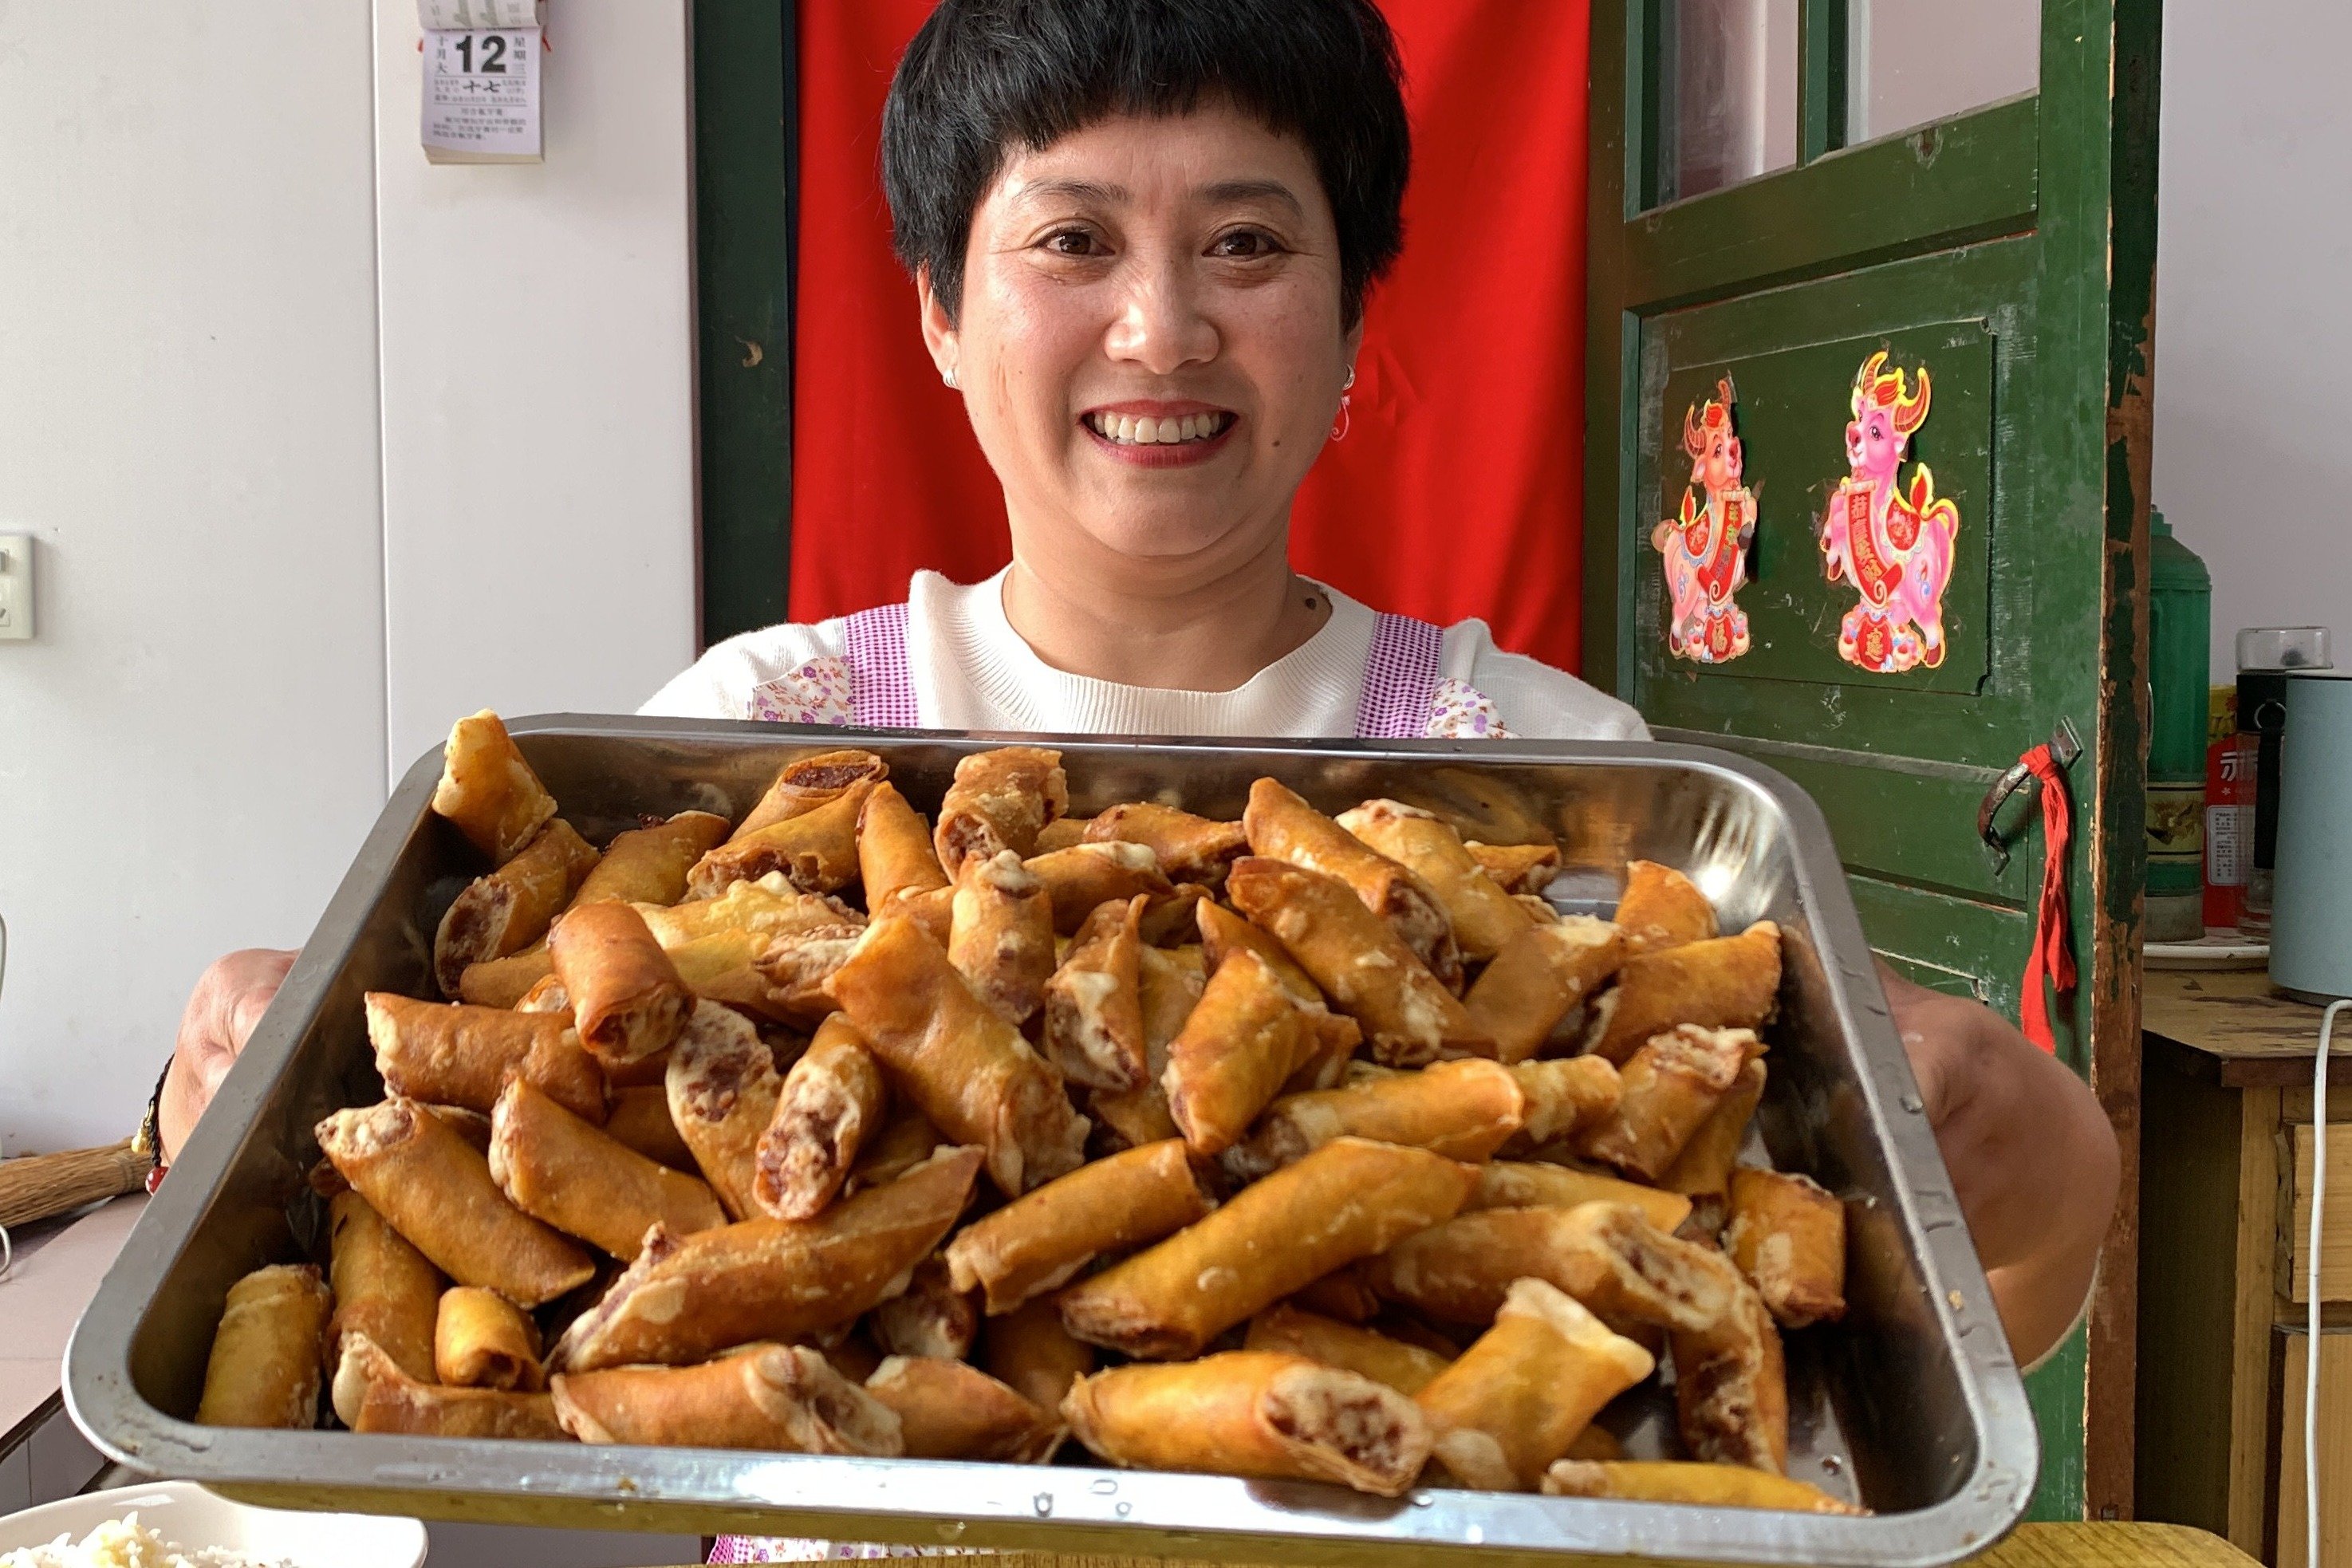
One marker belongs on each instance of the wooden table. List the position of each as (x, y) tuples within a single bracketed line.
[(2225, 1102), (2031, 1546)]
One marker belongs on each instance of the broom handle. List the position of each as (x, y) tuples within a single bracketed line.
[(39, 1187)]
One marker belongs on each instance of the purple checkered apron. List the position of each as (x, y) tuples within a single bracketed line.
[(1400, 675), (1400, 691)]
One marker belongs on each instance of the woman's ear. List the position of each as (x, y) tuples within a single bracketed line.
[(1352, 343), (939, 328)]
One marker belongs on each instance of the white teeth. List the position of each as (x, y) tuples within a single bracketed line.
[(1147, 431)]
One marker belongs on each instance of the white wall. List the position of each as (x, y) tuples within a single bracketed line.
[(192, 745), (539, 384), (2253, 335), (270, 575)]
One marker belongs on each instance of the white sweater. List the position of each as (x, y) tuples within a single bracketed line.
[(971, 670)]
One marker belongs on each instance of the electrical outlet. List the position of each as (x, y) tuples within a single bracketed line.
[(16, 587)]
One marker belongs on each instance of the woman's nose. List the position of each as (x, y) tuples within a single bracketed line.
[(1161, 324)]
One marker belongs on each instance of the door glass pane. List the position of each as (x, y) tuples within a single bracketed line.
[(1911, 61), (1727, 92)]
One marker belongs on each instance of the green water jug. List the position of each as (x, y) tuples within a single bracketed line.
[(2179, 646)]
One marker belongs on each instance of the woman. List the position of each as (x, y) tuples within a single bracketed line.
[(1141, 238)]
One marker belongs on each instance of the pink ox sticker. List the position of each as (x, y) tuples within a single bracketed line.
[(1706, 547), (1896, 547)]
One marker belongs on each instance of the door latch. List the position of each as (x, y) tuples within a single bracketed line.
[(2065, 746)]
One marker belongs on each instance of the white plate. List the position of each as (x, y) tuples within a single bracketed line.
[(185, 1512)]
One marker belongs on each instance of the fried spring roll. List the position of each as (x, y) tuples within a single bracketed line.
[(505, 982), (1189, 848), (481, 1340), (1515, 1184), (1661, 908), (1607, 1256), (1171, 988), (1349, 1199), (772, 1398), (906, 1140), (1224, 932), (1093, 1030), (1788, 1236), (686, 1297), (1081, 879), (1345, 1294), (1484, 916), (1515, 1400), (805, 783), (557, 1169), (895, 858), (1000, 800), (1244, 1041), (488, 791), (1364, 1352), (433, 1188), (1282, 826), (1039, 1242), (1565, 1095), (1356, 961), (627, 1001), (1062, 833), (1668, 1090), (383, 1288), (959, 1063), (932, 1316), (1542, 974), (831, 1104), (816, 851), (1462, 1109), (723, 1088), (265, 1362), (372, 1394), (455, 1054), (1686, 1482), (512, 907), (1001, 936), (1255, 1414), (853, 1356), (1730, 982), (1731, 1384), (1703, 1170), (640, 1119), (948, 1410), (1029, 1350), (1523, 869)]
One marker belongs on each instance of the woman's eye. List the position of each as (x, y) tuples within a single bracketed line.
[(1071, 242), (1243, 243)]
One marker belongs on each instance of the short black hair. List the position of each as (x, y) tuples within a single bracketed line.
[(984, 78)]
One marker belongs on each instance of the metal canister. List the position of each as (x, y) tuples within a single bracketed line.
[(2311, 924), (2179, 632)]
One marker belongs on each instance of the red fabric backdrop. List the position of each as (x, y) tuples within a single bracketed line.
[(1459, 488)]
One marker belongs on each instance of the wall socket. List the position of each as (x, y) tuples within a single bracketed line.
[(16, 587)]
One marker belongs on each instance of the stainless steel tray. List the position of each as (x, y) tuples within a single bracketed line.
[(1912, 1405)]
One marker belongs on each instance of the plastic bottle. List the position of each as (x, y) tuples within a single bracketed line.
[(2180, 637)]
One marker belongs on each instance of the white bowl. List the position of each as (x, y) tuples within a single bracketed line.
[(185, 1512)]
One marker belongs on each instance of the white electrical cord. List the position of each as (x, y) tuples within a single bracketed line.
[(2311, 1325)]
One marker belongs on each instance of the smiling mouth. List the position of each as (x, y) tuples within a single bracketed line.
[(1132, 430)]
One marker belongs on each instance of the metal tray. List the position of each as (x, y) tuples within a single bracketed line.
[(1912, 1405)]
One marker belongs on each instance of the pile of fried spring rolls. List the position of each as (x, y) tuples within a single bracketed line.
[(1299, 1147)]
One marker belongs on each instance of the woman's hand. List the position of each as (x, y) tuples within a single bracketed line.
[(228, 1001), (2032, 1158)]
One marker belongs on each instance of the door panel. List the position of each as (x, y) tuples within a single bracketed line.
[(2000, 249)]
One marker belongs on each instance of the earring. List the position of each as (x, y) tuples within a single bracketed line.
[(1339, 429), (948, 378)]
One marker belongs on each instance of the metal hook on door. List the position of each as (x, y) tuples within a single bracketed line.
[(2065, 746)]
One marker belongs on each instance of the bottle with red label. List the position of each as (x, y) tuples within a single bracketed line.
[(2229, 810)]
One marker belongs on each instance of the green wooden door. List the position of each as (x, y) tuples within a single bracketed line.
[(1746, 237)]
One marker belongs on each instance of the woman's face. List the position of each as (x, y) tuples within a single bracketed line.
[(1149, 343)]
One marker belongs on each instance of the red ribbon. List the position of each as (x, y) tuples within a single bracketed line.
[(2051, 962)]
